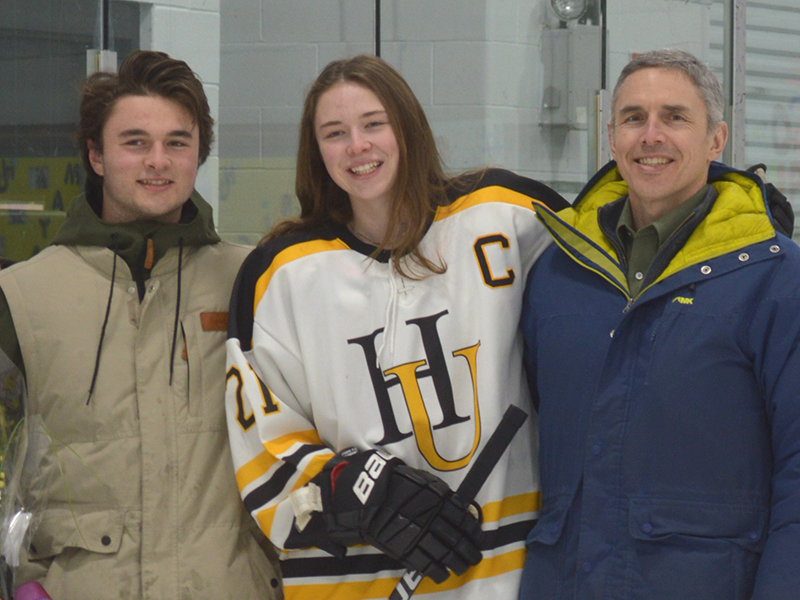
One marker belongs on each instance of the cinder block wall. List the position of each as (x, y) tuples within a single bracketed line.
[(190, 30), (476, 65)]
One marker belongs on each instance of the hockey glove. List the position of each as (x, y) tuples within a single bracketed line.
[(408, 514)]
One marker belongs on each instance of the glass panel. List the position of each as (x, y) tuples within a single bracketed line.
[(43, 47), (270, 52), (772, 109), (475, 65), (504, 83)]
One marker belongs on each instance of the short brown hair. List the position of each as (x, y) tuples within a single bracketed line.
[(142, 73), (421, 181)]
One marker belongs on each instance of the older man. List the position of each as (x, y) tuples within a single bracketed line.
[(662, 339)]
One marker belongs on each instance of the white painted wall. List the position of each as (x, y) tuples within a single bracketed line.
[(190, 30), (636, 26), (477, 66), (474, 65)]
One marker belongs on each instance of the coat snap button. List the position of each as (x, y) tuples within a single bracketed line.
[(705, 269), (744, 256), (774, 249), (647, 528), (106, 540)]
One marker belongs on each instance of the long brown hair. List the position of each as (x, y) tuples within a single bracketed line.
[(421, 183)]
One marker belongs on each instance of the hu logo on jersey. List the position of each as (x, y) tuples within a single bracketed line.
[(408, 377)]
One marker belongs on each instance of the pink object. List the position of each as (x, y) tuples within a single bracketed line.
[(31, 591)]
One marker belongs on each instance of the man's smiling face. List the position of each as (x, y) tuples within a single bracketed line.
[(148, 161), (660, 140)]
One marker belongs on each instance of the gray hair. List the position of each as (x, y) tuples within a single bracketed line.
[(704, 80)]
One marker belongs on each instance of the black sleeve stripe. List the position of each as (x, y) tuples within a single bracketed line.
[(240, 314), (512, 181), (269, 490), (296, 457), (507, 534), (329, 566), (370, 564)]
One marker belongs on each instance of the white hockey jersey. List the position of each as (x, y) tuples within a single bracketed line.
[(329, 348)]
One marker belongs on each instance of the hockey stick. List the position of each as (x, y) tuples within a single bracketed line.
[(477, 475)]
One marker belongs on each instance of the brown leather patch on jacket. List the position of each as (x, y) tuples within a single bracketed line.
[(214, 321)]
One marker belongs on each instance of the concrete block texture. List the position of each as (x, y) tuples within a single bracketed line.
[(440, 20), (266, 75), (191, 35), (255, 194), (240, 22), (317, 22)]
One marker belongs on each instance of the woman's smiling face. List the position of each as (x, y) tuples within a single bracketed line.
[(357, 143)]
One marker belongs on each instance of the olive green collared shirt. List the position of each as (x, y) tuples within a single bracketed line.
[(641, 246)]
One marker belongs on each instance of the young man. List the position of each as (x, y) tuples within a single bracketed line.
[(662, 339), (120, 327)]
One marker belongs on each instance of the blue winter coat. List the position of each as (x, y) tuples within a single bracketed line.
[(670, 422)]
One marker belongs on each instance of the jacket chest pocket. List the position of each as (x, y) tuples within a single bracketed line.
[(200, 379)]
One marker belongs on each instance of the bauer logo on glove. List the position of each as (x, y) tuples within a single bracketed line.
[(366, 480), (409, 514)]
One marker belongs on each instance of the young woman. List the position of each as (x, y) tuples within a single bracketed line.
[(373, 348)]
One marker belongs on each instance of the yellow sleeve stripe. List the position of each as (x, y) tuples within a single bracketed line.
[(314, 466), (492, 193), (288, 255), (266, 516), (381, 588), (511, 506), (260, 464), (253, 469), (281, 444)]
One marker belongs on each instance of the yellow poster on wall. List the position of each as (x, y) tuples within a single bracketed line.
[(34, 196)]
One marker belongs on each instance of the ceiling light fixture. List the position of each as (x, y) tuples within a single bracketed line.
[(569, 10)]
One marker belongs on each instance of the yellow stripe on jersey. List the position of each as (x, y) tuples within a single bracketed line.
[(281, 444), (288, 255), (314, 467), (253, 469), (258, 466), (511, 506), (266, 516), (492, 193), (381, 588)]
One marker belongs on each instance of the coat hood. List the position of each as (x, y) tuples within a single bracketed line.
[(84, 227), (739, 217)]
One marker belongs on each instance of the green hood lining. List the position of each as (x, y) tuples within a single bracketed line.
[(84, 227), (737, 219)]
